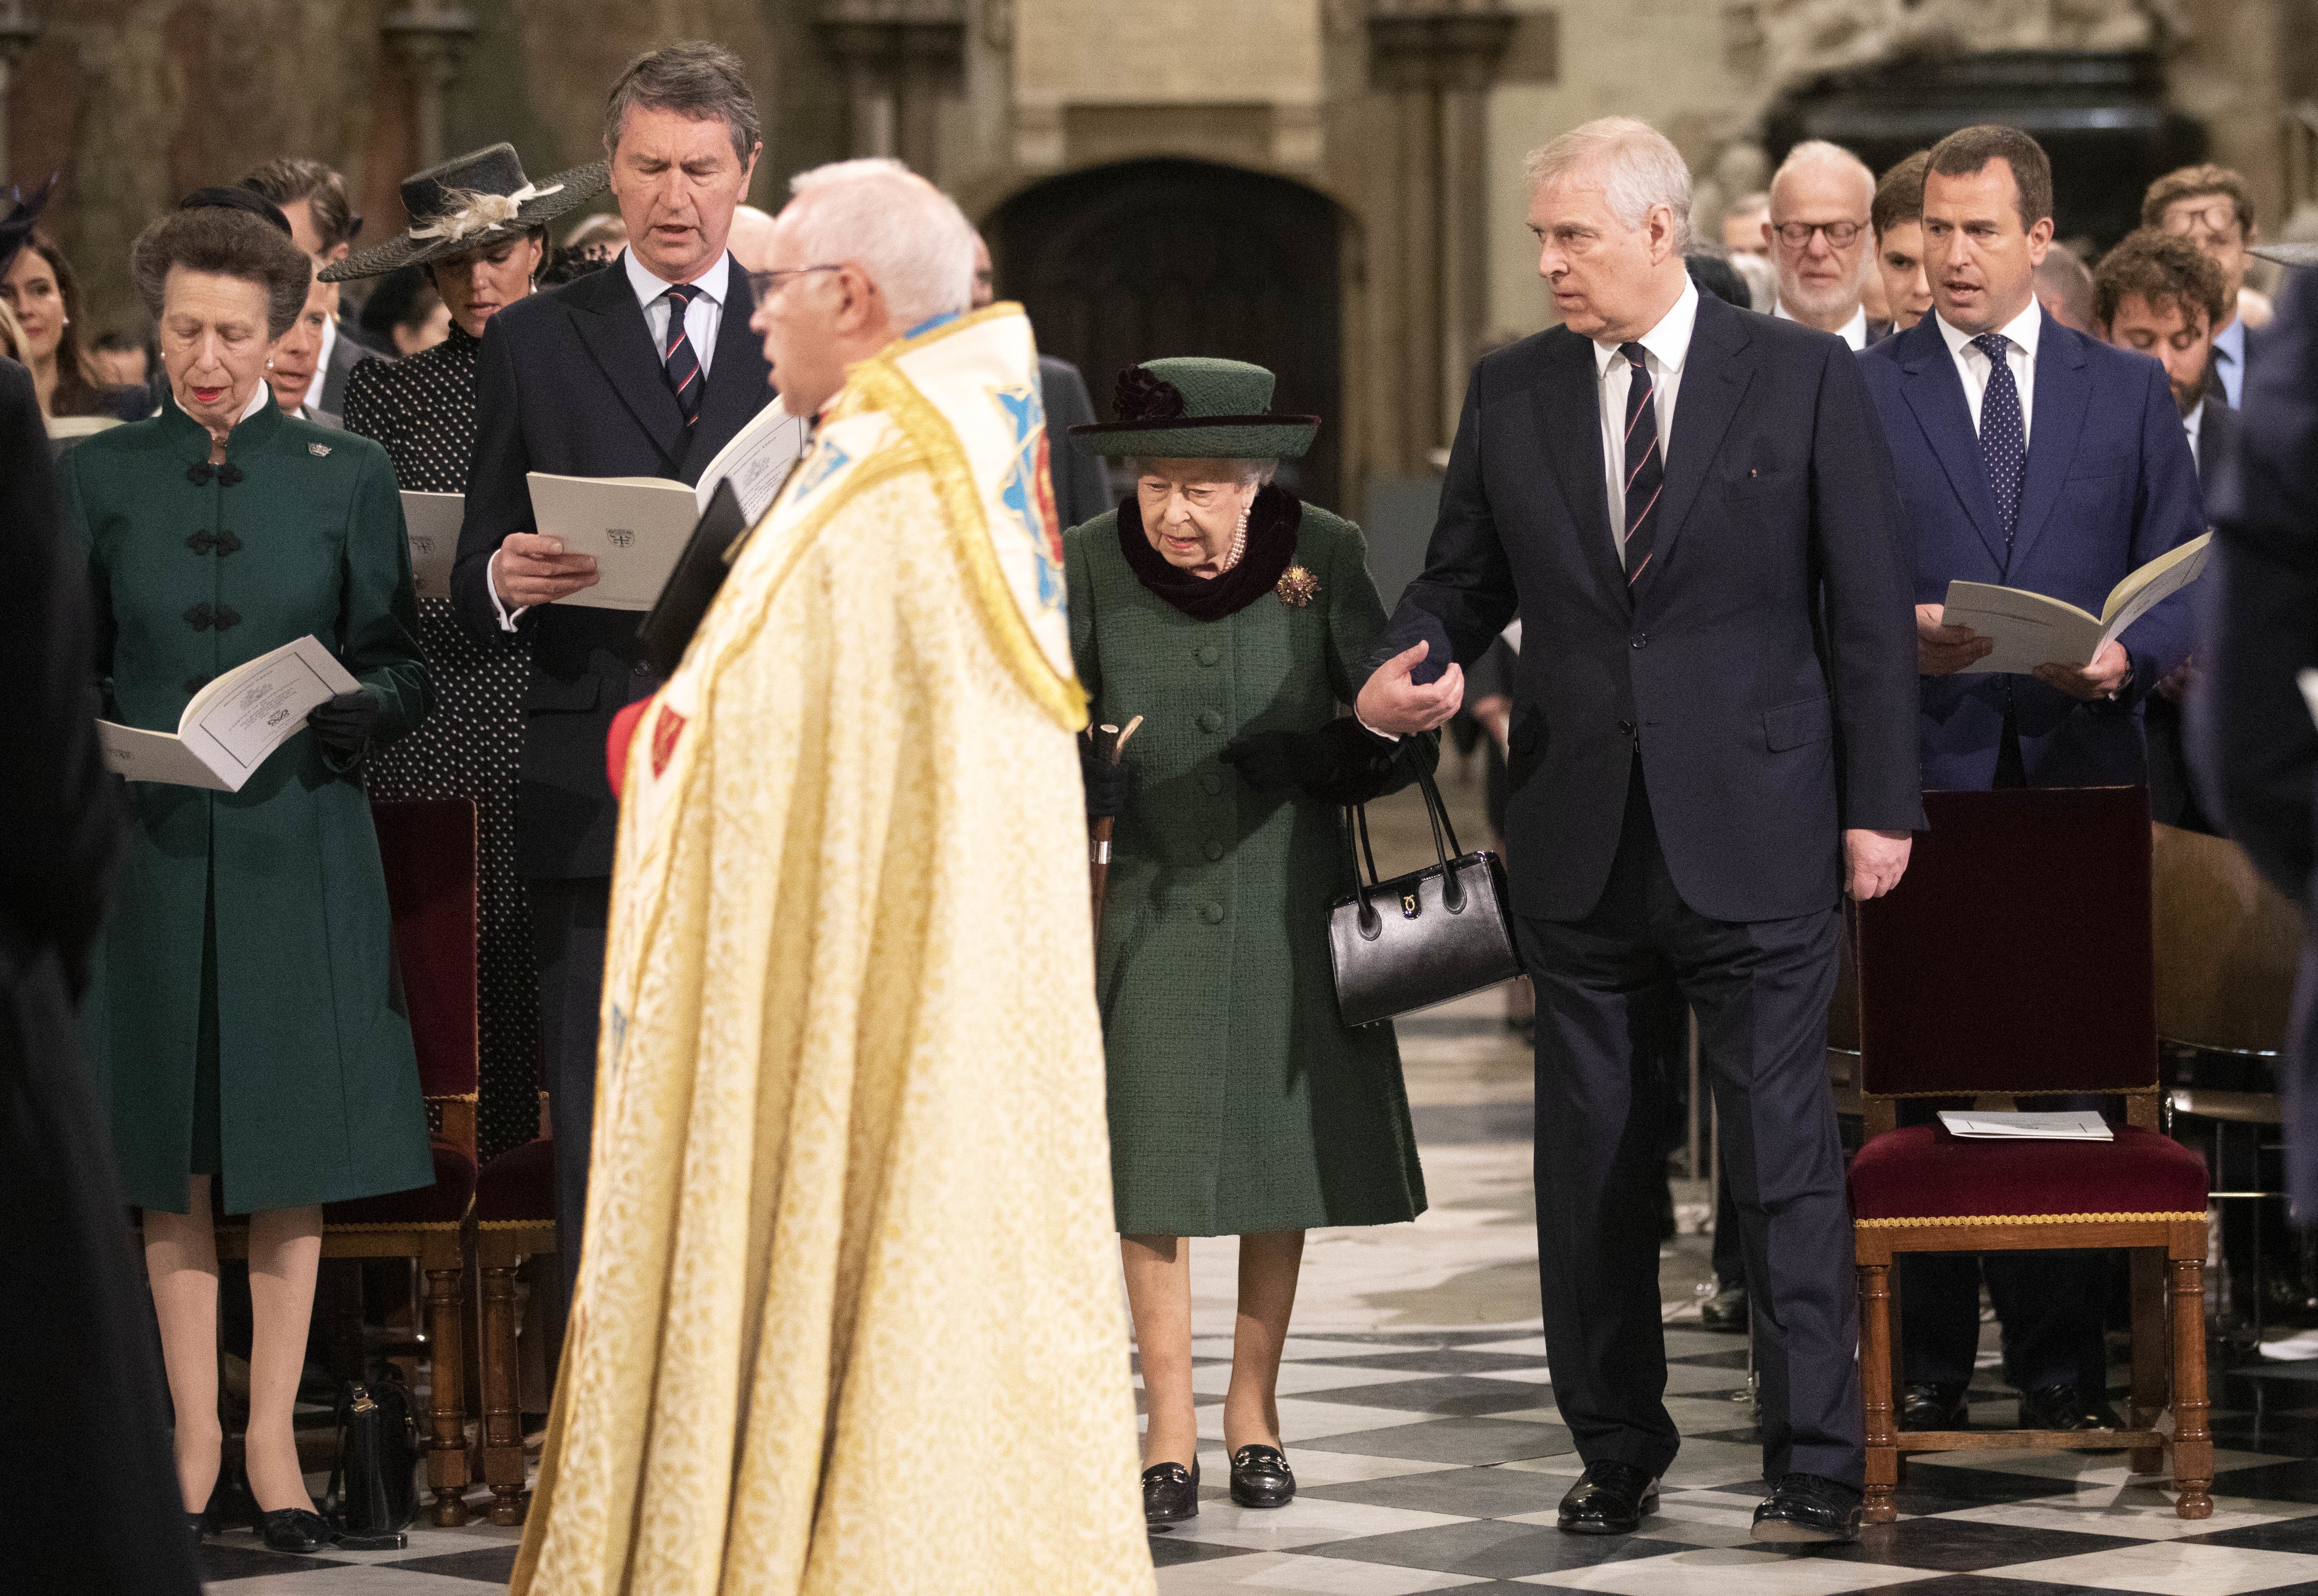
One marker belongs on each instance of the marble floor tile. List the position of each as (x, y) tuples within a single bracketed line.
[(2176, 1570)]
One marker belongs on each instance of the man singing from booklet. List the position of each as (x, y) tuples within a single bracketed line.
[(2028, 457)]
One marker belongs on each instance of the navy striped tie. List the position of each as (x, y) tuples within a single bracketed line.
[(1645, 464), (680, 360)]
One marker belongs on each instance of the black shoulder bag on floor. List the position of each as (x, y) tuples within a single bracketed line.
[(374, 1486), (1420, 939)]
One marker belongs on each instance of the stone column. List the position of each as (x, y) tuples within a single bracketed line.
[(899, 56), (429, 36), (18, 29), (1436, 59)]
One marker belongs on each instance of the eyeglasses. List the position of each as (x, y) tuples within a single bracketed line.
[(2218, 219), (763, 284), (1797, 235)]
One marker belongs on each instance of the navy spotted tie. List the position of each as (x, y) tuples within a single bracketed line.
[(2003, 433), (680, 359), (1645, 464)]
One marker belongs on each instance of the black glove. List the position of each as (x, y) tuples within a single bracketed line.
[(346, 721), (1343, 762), (1109, 788)]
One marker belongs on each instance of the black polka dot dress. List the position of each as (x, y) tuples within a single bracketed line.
[(423, 410)]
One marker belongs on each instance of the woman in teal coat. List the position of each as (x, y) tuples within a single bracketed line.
[(245, 1004), (1235, 620)]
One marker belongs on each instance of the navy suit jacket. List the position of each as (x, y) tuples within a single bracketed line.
[(1763, 667), (568, 382), (2111, 485)]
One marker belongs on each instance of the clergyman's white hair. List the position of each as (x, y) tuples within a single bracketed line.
[(1812, 152), (1638, 168), (911, 237)]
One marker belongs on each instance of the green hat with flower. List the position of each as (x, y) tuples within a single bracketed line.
[(1195, 406)]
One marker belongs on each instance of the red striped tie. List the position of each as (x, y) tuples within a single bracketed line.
[(680, 360)]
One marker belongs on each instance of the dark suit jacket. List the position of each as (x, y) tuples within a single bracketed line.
[(2111, 485), (345, 354), (567, 382), (1082, 485), (1763, 667), (2173, 797)]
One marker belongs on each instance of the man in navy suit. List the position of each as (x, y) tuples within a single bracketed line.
[(1692, 509), (2034, 457), (644, 369)]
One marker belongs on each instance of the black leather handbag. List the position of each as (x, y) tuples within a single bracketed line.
[(374, 1492), (1416, 940)]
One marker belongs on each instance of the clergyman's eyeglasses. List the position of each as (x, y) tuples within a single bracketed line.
[(764, 284)]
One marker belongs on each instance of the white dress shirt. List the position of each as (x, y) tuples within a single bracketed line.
[(1664, 346), (1854, 332), (2229, 359), (2194, 424), (2020, 354), (702, 318), (313, 400)]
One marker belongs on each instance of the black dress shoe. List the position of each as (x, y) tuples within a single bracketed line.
[(1260, 1477), (1170, 1493), (1608, 1499), (294, 1530), (1807, 1509), (1726, 1310), (2067, 1407), (1933, 1406), (197, 1526)]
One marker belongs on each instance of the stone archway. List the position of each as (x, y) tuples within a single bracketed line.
[(1124, 263)]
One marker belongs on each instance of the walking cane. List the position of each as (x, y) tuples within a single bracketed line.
[(1109, 743)]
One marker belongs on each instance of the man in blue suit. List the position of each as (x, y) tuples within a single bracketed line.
[(2032, 456)]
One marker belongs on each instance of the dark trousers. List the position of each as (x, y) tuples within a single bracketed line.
[(569, 920), (1761, 992)]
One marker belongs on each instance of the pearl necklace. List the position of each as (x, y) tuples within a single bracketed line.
[(1239, 541)]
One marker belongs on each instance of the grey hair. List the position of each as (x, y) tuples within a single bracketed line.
[(223, 243), (911, 237), (697, 80), (1639, 167), (1250, 473), (1813, 151)]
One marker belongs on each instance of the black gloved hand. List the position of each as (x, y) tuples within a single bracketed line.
[(346, 721), (1109, 788), (1342, 762)]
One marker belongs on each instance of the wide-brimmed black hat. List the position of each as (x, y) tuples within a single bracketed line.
[(473, 202)]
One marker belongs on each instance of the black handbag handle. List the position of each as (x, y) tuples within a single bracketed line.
[(1356, 823)]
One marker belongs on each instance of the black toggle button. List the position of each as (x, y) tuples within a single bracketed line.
[(224, 543), (1640, 640), (1625, 725), (202, 616)]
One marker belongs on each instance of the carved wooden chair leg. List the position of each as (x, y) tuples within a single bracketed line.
[(2193, 1437), (502, 1426), (2150, 1339), (1875, 1384), (447, 1472)]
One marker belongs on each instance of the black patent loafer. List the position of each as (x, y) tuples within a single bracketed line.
[(2067, 1407), (1171, 1493), (1260, 1477), (1808, 1510), (1725, 1310), (294, 1530), (1933, 1406), (1608, 1499)]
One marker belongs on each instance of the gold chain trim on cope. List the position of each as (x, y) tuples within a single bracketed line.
[(1985, 1219)]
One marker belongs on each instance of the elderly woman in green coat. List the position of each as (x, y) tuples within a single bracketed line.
[(1236, 621), (245, 1005)]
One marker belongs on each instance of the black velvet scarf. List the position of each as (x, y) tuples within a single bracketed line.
[(1271, 522)]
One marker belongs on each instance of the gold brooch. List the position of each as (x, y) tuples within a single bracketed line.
[(1296, 587)]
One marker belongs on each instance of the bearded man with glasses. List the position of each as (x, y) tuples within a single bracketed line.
[(2213, 208), (1820, 199)]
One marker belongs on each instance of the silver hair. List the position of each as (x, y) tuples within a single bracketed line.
[(1639, 167), (696, 79), (1256, 473), (1811, 151), (911, 237)]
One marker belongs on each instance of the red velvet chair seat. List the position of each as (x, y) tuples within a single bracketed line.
[(518, 1186), (443, 1203), (1923, 1173)]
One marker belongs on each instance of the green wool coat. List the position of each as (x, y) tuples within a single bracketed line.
[(318, 1087), (1240, 1102)]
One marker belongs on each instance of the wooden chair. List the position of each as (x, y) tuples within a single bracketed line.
[(515, 1219), (429, 848), (2015, 960)]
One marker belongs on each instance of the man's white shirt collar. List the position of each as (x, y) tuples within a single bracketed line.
[(313, 400), (1853, 332), (2022, 330), (1669, 341), (648, 288)]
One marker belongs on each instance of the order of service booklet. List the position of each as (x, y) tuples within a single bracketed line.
[(234, 723), (636, 527), (2072, 1127), (432, 521), (2031, 628)]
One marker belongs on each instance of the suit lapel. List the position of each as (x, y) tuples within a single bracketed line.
[(737, 388), (1568, 401), (1934, 392), (2063, 395), (611, 325), (1714, 381)]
